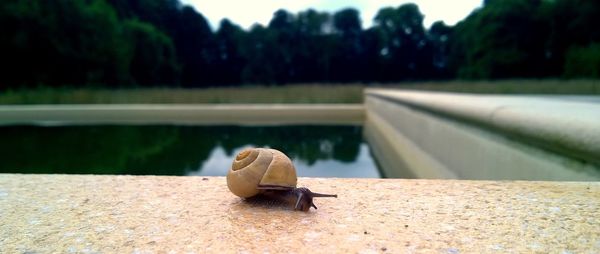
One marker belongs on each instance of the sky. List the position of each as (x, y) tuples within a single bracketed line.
[(248, 12)]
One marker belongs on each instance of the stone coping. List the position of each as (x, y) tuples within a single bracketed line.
[(568, 126), (244, 114), (150, 214)]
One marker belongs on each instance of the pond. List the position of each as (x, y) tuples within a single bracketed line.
[(317, 151)]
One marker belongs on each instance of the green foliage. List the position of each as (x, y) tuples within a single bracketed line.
[(257, 49), (573, 23), (502, 40), (523, 38), (58, 42), (439, 36), (312, 22), (153, 54), (194, 43), (583, 62), (406, 51), (148, 43), (347, 22), (230, 61)]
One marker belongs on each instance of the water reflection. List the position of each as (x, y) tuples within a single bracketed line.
[(179, 150), (361, 166)]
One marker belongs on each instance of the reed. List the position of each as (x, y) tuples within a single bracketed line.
[(309, 93)]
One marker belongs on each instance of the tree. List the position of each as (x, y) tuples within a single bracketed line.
[(148, 42), (583, 62), (154, 61), (502, 40), (439, 37), (196, 49), (282, 28), (189, 31), (406, 53), (347, 22), (573, 25), (347, 59), (57, 42), (313, 49), (261, 66), (230, 61), (313, 23)]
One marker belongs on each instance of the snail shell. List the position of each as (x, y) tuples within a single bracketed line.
[(260, 166)]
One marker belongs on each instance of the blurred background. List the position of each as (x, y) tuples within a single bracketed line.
[(166, 43)]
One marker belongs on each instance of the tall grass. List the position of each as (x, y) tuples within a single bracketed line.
[(315, 93), (247, 94), (550, 87)]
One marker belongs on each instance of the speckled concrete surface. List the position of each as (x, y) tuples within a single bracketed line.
[(126, 214)]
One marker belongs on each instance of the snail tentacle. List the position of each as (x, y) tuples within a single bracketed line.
[(299, 198)]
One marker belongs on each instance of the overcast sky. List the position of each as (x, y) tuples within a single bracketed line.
[(248, 12)]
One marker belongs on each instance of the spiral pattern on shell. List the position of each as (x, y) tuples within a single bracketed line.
[(260, 166)]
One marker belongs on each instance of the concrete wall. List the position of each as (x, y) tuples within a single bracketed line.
[(443, 135), (412, 134)]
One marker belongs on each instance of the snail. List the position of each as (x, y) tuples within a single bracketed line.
[(270, 173)]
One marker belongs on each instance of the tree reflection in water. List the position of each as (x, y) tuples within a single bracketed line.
[(170, 150)]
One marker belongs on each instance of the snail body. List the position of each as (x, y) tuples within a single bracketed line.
[(268, 172)]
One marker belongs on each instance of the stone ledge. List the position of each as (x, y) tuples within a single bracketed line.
[(183, 114), (568, 126), (149, 214), (413, 143)]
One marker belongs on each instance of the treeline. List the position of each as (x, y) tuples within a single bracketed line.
[(164, 43)]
